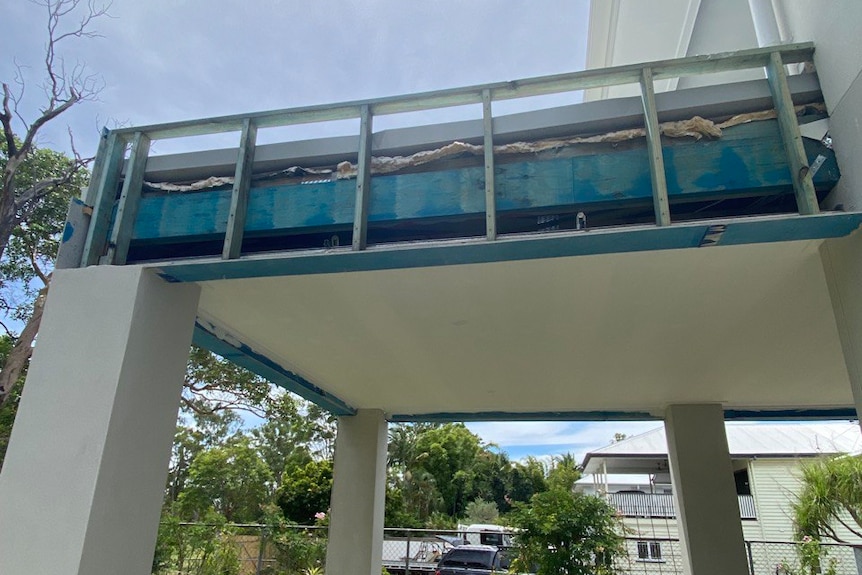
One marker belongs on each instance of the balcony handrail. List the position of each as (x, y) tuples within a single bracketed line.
[(662, 505), (506, 90)]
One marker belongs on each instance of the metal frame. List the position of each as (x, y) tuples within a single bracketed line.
[(104, 193)]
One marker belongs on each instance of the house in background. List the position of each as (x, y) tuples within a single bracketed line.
[(634, 476)]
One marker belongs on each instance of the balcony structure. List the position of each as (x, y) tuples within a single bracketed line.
[(661, 505), (432, 250), (572, 263)]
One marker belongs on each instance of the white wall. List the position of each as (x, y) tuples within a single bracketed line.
[(834, 27)]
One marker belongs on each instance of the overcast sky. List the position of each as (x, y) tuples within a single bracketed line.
[(167, 60)]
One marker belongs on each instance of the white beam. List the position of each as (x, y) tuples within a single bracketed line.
[(706, 501), (358, 495), (84, 475)]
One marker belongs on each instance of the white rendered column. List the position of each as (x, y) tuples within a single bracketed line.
[(358, 495), (707, 507), (84, 475), (842, 265)]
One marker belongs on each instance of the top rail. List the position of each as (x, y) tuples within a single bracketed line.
[(569, 82)]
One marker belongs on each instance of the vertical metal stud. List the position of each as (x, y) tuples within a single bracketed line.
[(803, 184), (102, 197), (239, 195), (127, 206), (490, 198), (656, 159), (363, 181), (89, 197)]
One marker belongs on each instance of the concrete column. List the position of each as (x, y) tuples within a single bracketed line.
[(842, 266), (705, 493), (358, 495), (84, 476)]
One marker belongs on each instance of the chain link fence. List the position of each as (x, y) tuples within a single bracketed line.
[(664, 557), (228, 549)]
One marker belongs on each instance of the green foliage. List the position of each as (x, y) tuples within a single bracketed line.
[(812, 560), (527, 479), (567, 532), (294, 550), (233, 479), (481, 511), (563, 473), (831, 496), (214, 384), (33, 244), (305, 491), (447, 454), (10, 407), (207, 548)]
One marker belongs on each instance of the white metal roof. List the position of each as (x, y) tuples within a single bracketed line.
[(745, 440)]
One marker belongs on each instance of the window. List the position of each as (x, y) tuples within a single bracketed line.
[(649, 551)]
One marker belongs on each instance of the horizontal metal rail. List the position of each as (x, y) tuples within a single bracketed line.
[(569, 82)]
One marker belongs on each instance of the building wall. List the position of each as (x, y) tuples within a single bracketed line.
[(834, 27), (774, 483)]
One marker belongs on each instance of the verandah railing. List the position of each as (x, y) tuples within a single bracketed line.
[(112, 221), (661, 505)]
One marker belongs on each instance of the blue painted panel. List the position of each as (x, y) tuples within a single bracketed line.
[(748, 157)]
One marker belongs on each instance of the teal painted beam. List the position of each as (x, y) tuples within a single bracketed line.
[(537, 246), (746, 159), (243, 355)]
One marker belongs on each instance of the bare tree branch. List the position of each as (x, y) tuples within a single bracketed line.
[(6, 120)]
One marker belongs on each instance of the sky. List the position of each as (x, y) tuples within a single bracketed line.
[(168, 60)]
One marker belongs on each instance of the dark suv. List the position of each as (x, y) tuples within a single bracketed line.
[(474, 560)]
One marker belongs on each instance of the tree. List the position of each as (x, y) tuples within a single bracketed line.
[(481, 511), (233, 479), (566, 532), (563, 473), (213, 384), (448, 453), (35, 180), (829, 504), (305, 491)]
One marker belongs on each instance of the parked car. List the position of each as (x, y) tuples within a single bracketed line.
[(474, 560)]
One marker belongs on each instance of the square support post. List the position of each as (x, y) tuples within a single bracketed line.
[(84, 476), (707, 506), (358, 495)]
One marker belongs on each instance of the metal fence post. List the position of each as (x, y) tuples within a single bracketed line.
[(750, 557), (407, 556), (261, 545)]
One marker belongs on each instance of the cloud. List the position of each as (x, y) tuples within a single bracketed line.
[(556, 437)]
